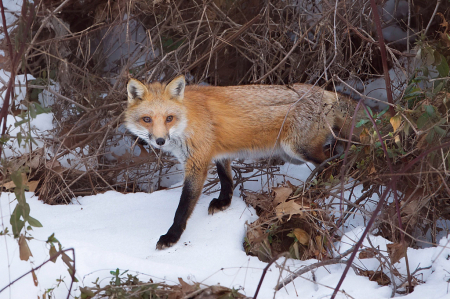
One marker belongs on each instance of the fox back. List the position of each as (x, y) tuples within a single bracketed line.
[(235, 120)]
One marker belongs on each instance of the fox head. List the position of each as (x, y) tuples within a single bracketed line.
[(156, 112)]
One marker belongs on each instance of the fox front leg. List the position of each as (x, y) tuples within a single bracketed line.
[(226, 187), (195, 175)]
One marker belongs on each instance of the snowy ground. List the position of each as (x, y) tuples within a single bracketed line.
[(113, 230)]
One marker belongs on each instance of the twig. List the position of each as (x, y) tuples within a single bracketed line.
[(391, 269), (321, 167), (378, 208), (349, 143), (299, 40), (53, 257), (432, 16), (15, 60), (224, 43), (60, 96), (360, 241), (43, 24), (336, 260), (265, 271), (387, 79), (5, 31)]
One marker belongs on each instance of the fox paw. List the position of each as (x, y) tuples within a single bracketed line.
[(217, 205), (166, 241)]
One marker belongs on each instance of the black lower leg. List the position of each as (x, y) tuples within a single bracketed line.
[(226, 187)]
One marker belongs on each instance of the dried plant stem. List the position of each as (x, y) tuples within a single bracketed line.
[(387, 79), (434, 14), (52, 258), (60, 96), (225, 42), (333, 261)]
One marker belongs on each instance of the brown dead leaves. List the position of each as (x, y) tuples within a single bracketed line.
[(444, 35), (302, 236), (367, 253), (24, 250), (32, 185), (285, 207), (289, 209), (396, 251), (281, 194), (378, 276), (25, 164), (287, 223)]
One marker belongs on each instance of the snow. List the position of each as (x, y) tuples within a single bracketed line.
[(38, 126), (114, 230), (376, 87), (20, 89), (396, 11), (12, 10), (126, 41)]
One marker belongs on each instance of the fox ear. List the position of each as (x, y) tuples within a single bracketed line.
[(136, 90), (175, 89)]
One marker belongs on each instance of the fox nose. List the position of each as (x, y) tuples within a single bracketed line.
[(160, 141)]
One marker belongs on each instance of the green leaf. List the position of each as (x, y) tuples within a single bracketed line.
[(413, 94), (391, 153), (442, 67), (441, 132), (16, 177), (67, 260), (25, 211), (382, 112), (15, 221), (32, 111), (420, 78), (86, 292), (409, 88), (438, 87), (34, 222), (34, 94), (19, 138), (52, 252), (430, 137), (20, 122), (52, 239), (41, 110), (370, 111), (430, 110), (71, 274), (361, 123), (32, 139), (422, 120), (430, 59)]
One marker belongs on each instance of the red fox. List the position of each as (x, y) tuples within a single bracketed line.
[(200, 124)]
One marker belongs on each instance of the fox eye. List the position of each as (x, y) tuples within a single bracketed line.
[(147, 119), (169, 118)]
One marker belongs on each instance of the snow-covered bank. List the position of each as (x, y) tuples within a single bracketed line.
[(114, 230)]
